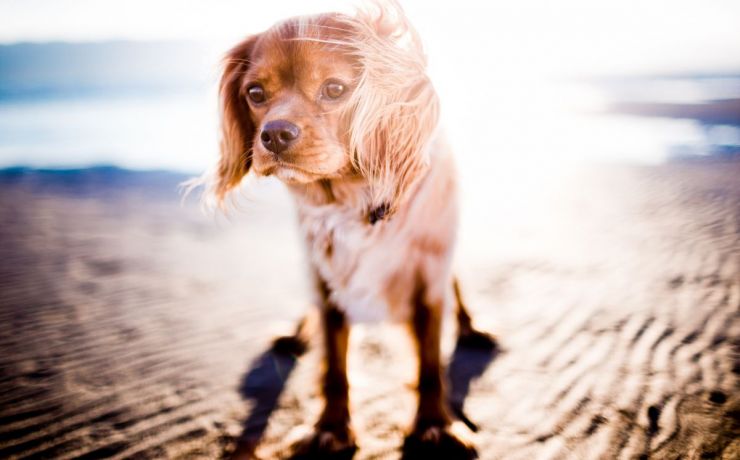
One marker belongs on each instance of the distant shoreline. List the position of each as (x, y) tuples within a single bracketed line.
[(102, 169), (720, 112)]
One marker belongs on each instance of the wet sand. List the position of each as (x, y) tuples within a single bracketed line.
[(132, 327)]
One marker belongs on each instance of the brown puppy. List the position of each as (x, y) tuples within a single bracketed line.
[(341, 110)]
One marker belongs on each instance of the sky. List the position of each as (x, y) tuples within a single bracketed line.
[(555, 38)]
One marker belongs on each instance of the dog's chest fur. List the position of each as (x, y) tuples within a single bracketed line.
[(372, 270), (355, 259)]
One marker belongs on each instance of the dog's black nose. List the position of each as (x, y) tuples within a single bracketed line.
[(278, 135)]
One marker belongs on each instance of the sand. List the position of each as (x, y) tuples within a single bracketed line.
[(133, 327)]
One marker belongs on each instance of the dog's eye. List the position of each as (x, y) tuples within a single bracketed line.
[(333, 89), (256, 94)]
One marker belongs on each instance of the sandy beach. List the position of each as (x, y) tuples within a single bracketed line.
[(132, 326)]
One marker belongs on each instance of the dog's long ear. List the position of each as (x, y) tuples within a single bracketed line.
[(237, 127), (394, 108)]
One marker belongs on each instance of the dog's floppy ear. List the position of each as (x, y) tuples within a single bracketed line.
[(237, 127), (394, 109)]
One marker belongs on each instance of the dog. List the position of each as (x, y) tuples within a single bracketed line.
[(340, 109)]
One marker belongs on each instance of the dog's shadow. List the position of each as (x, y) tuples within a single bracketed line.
[(264, 381), (468, 363), (262, 385)]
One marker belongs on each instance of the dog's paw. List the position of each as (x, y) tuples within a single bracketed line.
[(289, 345), (330, 444), (437, 442), (477, 340)]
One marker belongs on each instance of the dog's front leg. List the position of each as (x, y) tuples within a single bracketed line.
[(333, 436), (432, 435), (335, 388)]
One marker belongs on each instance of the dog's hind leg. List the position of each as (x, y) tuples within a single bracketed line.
[(467, 335)]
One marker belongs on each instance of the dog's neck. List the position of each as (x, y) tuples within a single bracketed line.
[(325, 192), (342, 193)]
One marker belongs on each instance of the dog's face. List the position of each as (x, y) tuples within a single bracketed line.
[(328, 97), (297, 91)]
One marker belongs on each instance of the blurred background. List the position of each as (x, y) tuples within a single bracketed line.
[(132, 83), (600, 236)]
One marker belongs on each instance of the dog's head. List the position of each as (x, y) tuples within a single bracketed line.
[(328, 97)]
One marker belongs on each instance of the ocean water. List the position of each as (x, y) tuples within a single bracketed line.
[(141, 105), (154, 106), (180, 131), (140, 131)]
